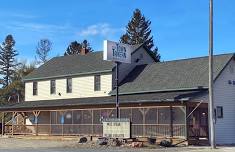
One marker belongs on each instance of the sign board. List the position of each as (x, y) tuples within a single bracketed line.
[(118, 52), (116, 128)]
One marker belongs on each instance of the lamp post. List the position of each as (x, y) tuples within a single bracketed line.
[(211, 104)]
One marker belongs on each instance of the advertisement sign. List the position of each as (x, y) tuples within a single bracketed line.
[(118, 52), (116, 128)]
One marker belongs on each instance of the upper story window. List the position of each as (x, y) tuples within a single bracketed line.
[(35, 88), (69, 85), (53, 87), (97, 83)]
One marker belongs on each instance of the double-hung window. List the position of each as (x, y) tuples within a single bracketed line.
[(53, 87), (69, 85), (97, 83), (35, 88)]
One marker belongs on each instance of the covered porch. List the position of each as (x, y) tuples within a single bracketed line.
[(150, 116)]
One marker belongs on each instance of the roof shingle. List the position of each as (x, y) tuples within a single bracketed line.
[(91, 101), (172, 75), (71, 65)]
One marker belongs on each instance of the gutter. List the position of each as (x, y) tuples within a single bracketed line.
[(67, 75), (165, 90)]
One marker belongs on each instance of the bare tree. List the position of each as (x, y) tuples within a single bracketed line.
[(44, 46)]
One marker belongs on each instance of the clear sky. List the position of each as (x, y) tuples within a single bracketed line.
[(180, 27)]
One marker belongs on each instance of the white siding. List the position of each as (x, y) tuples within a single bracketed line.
[(224, 95), (81, 87)]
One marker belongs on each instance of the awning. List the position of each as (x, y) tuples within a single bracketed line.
[(157, 97)]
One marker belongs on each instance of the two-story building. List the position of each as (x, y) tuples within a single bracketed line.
[(70, 95)]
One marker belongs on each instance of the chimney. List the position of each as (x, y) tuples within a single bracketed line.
[(83, 51)]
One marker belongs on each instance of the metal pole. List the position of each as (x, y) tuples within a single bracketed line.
[(211, 106), (117, 101)]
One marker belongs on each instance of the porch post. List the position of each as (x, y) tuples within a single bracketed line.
[(13, 117), (186, 122), (3, 123), (171, 123), (50, 124), (142, 110), (36, 114)]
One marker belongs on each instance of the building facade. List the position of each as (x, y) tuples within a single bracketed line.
[(71, 95)]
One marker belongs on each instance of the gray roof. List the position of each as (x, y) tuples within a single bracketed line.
[(73, 103), (172, 75), (71, 65)]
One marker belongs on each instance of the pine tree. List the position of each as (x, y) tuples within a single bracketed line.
[(75, 48), (43, 48), (138, 31), (7, 60)]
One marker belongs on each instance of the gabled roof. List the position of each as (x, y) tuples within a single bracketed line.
[(72, 103), (72, 65), (76, 65), (172, 75)]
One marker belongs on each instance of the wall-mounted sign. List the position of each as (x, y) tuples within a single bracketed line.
[(116, 128), (118, 52)]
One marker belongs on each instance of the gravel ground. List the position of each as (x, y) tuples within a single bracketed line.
[(36, 145)]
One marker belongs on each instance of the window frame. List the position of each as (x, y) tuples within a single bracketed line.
[(97, 82), (53, 89), (69, 86), (219, 110), (35, 88)]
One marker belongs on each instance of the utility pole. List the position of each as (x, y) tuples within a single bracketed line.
[(211, 104)]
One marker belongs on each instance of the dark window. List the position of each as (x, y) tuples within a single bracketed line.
[(69, 85), (219, 112), (53, 87), (97, 83), (35, 88)]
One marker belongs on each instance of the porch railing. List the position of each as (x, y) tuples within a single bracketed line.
[(137, 130)]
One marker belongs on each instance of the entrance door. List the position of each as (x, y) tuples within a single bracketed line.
[(198, 123)]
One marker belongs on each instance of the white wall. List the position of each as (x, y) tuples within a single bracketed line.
[(224, 95), (82, 86)]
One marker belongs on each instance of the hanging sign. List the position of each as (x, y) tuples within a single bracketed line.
[(117, 52)]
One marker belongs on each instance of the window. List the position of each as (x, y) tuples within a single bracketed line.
[(219, 111), (97, 83), (69, 85), (53, 87), (35, 88)]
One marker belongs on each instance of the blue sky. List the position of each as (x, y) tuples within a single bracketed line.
[(179, 28)]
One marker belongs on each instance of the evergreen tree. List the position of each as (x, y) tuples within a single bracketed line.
[(76, 48), (7, 60), (138, 31), (43, 48)]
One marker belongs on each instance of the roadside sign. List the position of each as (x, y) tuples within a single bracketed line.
[(116, 128), (117, 52)]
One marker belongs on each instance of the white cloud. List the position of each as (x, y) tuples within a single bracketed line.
[(103, 29)]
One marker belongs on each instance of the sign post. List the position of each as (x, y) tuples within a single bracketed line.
[(119, 53), (116, 79)]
